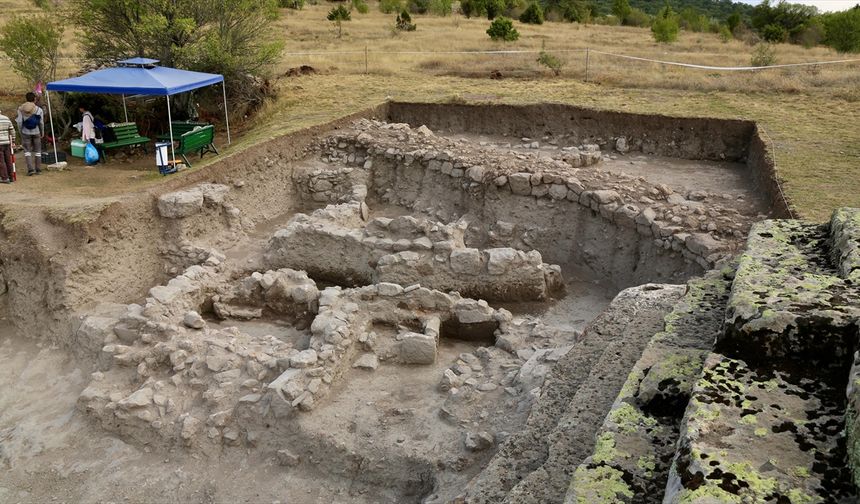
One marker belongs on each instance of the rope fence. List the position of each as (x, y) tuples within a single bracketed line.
[(588, 52)]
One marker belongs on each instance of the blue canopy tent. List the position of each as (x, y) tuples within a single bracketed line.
[(139, 76)]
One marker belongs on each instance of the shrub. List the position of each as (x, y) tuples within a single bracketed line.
[(292, 4), (502, 28), (665, 27), (532, 15), (637, 17), (842, 30), (763, 55), (418, 6), (725, 34), (440, 7), (337, 16), (389, 6), (610, 20), (774, 33), (404, 22), (550, 61), (621, 9), (361, 6), (733, 21)]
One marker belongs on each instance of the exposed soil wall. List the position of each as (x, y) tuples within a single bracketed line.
[(761, 164), (689, 138)]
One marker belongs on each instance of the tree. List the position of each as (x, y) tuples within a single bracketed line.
[(502, 28), (665, 27), (621, 9), (389, 6), (230, 37), (532, 15), (733, 21), (337, 16), (842, 30), (32, 43), (550, 61)]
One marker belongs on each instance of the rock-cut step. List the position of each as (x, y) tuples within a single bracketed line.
[(635, 445), (788, 300), (760, 435)]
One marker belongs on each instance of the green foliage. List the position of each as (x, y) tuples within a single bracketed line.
[(418, 6), (532, 15), (292, 4), (32, 43), (764, 54), (733, 21), (693, 20), (361, 6), (502, 28), (711, 9), (550, 61), (725, 34), (440, 7), (637, 17), (489, 8), (621, 9), (782, 21), (389, 6), (230, 37), (404, 22), (842, 30), (773, 33), (338, 15), (665, 28)]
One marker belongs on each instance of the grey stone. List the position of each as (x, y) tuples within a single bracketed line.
[(193, 320), (417, 348)]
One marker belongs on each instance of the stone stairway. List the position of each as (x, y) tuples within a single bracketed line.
[(742, 397)]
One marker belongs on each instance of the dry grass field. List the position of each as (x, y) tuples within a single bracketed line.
[(811, 113)]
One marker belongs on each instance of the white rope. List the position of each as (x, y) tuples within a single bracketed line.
[(725, 68)]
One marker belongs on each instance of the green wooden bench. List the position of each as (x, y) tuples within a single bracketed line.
[(126, 136), (180, 128), (199, 140)]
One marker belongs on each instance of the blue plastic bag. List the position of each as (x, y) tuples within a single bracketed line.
[(91, 154)]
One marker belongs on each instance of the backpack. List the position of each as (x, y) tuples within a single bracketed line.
[(32, 122)]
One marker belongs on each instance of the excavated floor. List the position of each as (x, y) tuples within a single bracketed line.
[(394, 431)]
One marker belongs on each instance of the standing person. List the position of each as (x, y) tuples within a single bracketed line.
[(31, 124), (7, 146), (88, 130)]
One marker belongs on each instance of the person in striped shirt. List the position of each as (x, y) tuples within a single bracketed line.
[(7, 145)]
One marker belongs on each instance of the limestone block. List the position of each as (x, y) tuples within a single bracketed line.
[(520, 183), (467, 261), (417, 348)]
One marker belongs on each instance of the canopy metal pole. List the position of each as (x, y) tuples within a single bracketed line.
[(226, 115), (124, 109), (170, 126), (51, 119)]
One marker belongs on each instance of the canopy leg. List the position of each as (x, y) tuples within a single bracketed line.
[(170, 126), (226, 115), (51, 120), (124, 109)]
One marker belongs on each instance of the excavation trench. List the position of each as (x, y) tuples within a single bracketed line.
[(351, 382)]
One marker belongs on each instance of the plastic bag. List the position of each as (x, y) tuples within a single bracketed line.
[(91, 154)]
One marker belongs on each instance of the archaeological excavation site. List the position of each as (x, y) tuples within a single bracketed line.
[(434, 303)]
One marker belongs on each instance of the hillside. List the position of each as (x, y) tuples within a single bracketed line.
[(717, 9)]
